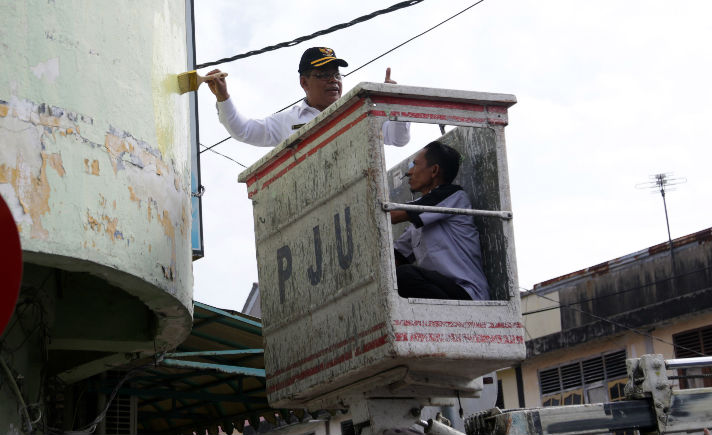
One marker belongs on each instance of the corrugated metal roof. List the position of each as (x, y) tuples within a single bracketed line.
[(215, 378)]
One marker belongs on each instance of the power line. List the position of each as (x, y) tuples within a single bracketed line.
[(620, 325), (395, 48), (213, 145), (221, 154), (376, 58), (414, 37), (541, 310), (300, 39)]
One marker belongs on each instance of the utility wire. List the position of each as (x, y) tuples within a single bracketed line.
[(414, 37), (396, 47), (296, 41), (213, 145), (219, 153), (620, 325), (374, 59), (541, 310)]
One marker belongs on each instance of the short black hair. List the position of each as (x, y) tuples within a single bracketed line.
[(446, 157)]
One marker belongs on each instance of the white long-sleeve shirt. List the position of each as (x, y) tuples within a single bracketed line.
[(273, 129)]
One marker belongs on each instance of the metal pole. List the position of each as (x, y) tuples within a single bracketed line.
[(662, 181), (686, 363), (388, 206)]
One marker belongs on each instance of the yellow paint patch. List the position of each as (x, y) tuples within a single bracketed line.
[(94, 224), (150, 215), (170, 232), (93, 169), (3, 110), (133, 196), (184, 221), (108, 227), (49, 120), (5, 174), (117, 146), (111, 228), (55, 160), (33, 190)]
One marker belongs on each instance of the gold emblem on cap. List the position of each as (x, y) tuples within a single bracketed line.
[(326, 51)]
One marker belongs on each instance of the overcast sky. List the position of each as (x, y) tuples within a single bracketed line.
[(609, 92)]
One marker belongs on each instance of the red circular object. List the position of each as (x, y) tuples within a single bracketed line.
[(10, 264)]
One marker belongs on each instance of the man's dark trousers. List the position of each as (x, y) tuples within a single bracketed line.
[(416, 282)]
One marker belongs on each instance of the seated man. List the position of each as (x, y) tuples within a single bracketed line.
[(445, 247), (320, 79)]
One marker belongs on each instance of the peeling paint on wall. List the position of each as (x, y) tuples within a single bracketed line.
[(95, 145), (31, 175), (95, 156), (48, 71)]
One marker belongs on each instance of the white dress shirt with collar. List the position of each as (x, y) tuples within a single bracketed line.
[(273, 129)]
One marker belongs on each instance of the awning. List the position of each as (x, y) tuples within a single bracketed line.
[(215, 378)]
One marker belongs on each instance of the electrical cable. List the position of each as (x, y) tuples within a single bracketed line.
[(300, 39), (414, 37), (541, 310), (219, 153), (620, 325), (376, 58), (13, 385), (91, 427), (213, 145)]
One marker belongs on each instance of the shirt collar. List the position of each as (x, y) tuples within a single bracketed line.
[(304, 107)]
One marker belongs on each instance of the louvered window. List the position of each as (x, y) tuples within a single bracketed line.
[(550, 381), (694, 343), (615, 365), (690, 344), (573, 381), (347, 428), (571, 376), (593, 370)]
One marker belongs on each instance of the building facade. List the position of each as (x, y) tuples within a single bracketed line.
[(581, 327)]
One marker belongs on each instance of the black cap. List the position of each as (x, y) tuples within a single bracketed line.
[(317, 57)]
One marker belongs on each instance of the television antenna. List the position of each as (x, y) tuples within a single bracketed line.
[(663, 183)]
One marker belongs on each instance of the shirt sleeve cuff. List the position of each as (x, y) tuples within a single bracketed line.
[(226, 108), (414, 218)]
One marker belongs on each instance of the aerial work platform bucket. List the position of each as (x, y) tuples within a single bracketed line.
[(333, 322)]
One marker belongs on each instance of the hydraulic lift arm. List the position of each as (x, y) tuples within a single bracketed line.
[(651, 406)]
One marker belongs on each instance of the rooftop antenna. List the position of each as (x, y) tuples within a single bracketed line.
[(662, 182)]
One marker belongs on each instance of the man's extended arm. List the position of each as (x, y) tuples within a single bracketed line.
[(266, 132), (394, 132)]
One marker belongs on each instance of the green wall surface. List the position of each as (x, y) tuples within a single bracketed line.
[(95, 167)]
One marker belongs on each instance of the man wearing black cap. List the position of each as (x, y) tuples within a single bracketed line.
[(320, 78)]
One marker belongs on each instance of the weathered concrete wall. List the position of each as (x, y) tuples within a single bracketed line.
[(94, 145), (95, 166), (642, 289)]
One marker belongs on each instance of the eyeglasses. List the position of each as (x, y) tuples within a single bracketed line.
[(327, 75)]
